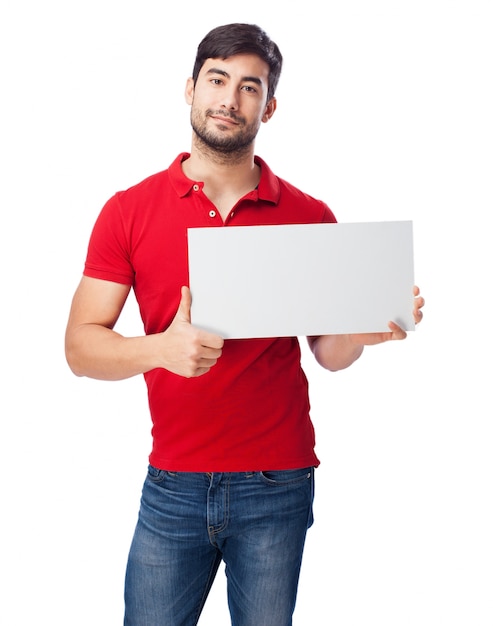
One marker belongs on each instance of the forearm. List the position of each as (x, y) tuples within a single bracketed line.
[(335, 352), (99, 352)]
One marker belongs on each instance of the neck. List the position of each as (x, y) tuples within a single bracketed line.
[(214, 167), (225, 179), (238, 156)]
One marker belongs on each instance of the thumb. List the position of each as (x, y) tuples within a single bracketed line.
[(185, 304)]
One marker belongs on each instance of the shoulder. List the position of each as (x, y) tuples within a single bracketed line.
[(157, 184), (145, 188), (294, 202)]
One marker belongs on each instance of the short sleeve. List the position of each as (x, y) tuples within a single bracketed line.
[(108, 255)]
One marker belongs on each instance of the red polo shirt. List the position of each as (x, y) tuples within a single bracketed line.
[(251, 411)]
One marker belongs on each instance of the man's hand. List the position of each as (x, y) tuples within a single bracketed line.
[(395, 333), (336, 352), (189, 351)]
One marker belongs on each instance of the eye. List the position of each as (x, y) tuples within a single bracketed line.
[(249, 89), (216, 81)]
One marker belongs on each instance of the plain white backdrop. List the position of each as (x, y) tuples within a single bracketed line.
[(385, 112)]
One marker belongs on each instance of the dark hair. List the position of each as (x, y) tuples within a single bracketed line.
[(225, 41)]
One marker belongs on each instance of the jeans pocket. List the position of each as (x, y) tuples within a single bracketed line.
[(287, 477), (154, 474)]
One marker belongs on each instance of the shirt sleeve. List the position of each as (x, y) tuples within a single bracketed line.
[(109, 255), (328, 216)]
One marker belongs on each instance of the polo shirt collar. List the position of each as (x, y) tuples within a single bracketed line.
[(268, 188)]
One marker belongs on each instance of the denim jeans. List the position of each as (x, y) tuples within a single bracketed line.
[(189, 522)]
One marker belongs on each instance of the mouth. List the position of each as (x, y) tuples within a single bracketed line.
[(224, 119)]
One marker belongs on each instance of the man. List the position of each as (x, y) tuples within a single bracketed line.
[(231, 470)]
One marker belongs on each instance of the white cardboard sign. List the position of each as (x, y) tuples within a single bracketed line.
[(302, 279)]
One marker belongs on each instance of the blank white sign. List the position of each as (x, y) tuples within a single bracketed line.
[(302, 279)]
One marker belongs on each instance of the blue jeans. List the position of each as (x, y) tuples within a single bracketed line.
[(189, 522)]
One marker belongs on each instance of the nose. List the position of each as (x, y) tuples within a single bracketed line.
[(230, 98)]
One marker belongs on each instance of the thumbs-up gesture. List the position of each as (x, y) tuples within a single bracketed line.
[(189, 351)]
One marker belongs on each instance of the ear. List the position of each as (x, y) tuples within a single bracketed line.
[(270, 107), (189, 91)]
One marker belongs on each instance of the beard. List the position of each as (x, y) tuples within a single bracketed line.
[(221, 142)]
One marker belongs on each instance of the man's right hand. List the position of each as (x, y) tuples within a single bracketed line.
[(189, 351)]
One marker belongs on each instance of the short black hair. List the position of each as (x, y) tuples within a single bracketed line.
[(225, 41)]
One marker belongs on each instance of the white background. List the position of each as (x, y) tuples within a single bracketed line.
[(385, 112)]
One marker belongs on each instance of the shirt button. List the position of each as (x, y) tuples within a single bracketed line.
[(212, 213), (196, 187), (232, 213)]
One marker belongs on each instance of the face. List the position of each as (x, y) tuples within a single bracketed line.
[(229, 102)]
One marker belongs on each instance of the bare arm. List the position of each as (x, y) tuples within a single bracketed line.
[(95, 350), (336, 352)]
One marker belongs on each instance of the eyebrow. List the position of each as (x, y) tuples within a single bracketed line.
[(248, 79)]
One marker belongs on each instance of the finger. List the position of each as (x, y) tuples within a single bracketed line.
[(185, 304), (211, 343), (201, 371), (212, 353), (418, 316), (208, 363), (398, 333), (417, 313), (204, 366)]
